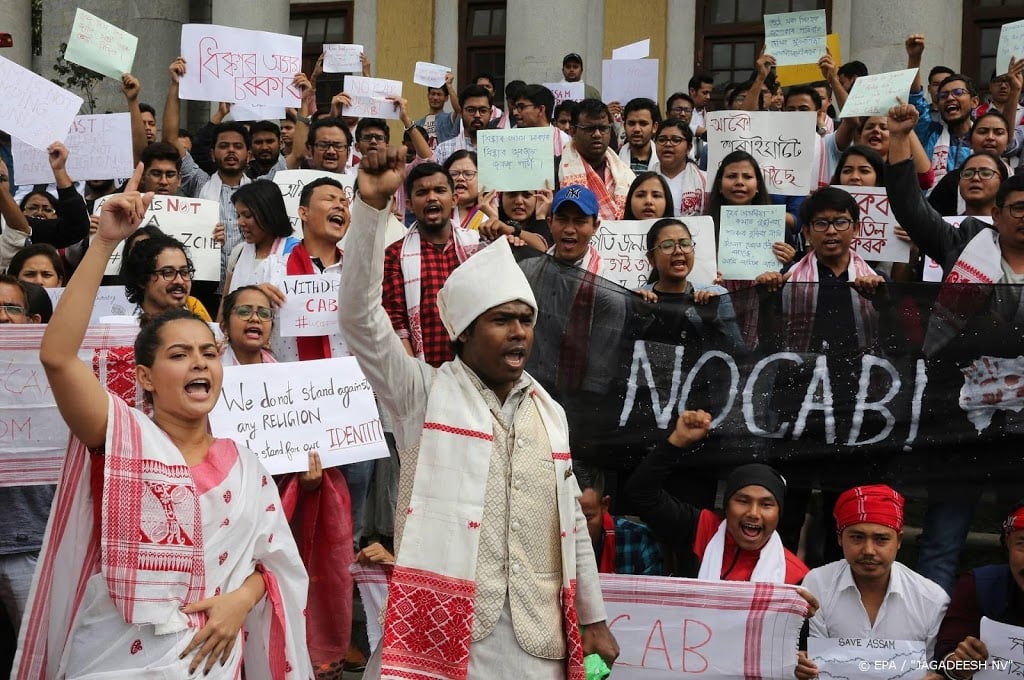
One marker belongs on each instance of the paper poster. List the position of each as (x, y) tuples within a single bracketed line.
[(874, 95), (876, 240), (191, 221), (931, 270), (430, 75), (33, 109), (782, 142), (623, 248), (1011, 44), (240, 66), (340, 58), (625, 79), (283, 411), (257, 112), (795, 37), (110, 301), (1005, 644), (369, 97), (641, 49), (567, 91), (99, 147), (100, 46), (516, 159), (868, 659), (745, 238), (800, 74), (291, 183), (311, 307)]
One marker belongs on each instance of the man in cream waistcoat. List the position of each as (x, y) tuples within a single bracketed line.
[(494, 566)]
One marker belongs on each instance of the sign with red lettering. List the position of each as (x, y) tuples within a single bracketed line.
[(675, 627), (784, 144), (311, 305), (875, 238)]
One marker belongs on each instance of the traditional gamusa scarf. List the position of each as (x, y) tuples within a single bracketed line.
[(800, 302), (607, 565), (465, 243), (771, 564), (693, 192), (212, 189), (428, 623), (372, 580), (574, 347), (611, 195), (874, 503), (311, 346)]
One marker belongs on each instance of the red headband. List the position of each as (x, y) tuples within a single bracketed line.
[(877, 504), (1014, 521)]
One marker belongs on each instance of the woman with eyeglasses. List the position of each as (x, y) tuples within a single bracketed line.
[(989, 134), (247, 321), (468, 213)]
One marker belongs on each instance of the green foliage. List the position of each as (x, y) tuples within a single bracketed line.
[(74, 77)]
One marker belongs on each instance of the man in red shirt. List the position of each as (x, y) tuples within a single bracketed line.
[(741, 546)]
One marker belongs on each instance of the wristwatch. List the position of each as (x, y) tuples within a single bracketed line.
[(304, 119), (517, 229)]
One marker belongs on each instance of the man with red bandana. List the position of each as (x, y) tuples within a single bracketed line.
[(741, 546), (995, 591), (868, 594)]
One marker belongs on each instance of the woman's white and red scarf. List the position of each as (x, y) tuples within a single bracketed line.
[(428, 623), (465, 243), (611, 193), (800, 302)]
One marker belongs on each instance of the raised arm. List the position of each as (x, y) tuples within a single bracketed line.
[(301, 134), (12, 214), (827, 66), (764, 65), (131, 87), (1009, 109), (172, 107), (80, 397), (417, 139)]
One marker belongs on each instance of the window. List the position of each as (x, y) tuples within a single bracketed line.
[(482, 43), (731, 33), (319, 24), (982, 22)]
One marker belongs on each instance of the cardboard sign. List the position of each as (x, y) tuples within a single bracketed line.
[(623, 248), (291, 183), (110, 301), (516, 159), (795, 37), (564, 91), (191, 221), (100, 46), (33, 109), (99, 147), (874, 95), (284, 411), (782, 143), (799, 74), (1011, 44), (626, 79), (240, 66), (340, 58), (369, 97), (876, 240), (1005, 645), (745, 237), (311, 307), (641, 49), (430, 75), (868, 659)]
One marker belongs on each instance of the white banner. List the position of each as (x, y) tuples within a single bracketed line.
[(240, 66), (99, 147), (567, 91), (623, 248), (342, 58), (311, 307), (33, 109), (1005, 645), (626, 79), (876, 239), (110, 301), (868, 659), (430, 75), (283, 411), (782, 142), (369, 97), (292, 182)]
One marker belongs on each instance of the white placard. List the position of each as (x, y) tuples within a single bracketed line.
[(625, 79), (369, 97), (99, 147), (33, 109), (341, 58), (868, 659), (190, 220), (110, 301), (782, 143), (240, 66), (564, 91), (876, 240), (100, 46), (931, 269), (257, 112), (745, 237), (430, 75), (291, 183), (623, 248), (283, 411), (795, 37), (874, 95), (311, 305), (1005, 644), (641, 49), (1011, 44)]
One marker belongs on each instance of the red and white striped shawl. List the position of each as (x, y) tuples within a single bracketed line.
[(428, 622), (611, 195)]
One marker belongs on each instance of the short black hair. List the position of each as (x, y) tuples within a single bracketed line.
[(939, 69), (307, 190), (566, 105), (39, 302), (798, 90), (852, 68), (822, 83), (426, 170), (589, 477), (378, 123), (486, 76), (182, 132), (233, 126), (147, 108), (733, 90), (699, 79), (475, 90), (19, 284), (829, 198), (514, 89), (1014, 183), (966, 80), (265, 126), (593, 108), (538, 95), (325, 122), (642, 104), (673, 97), (160, 151)]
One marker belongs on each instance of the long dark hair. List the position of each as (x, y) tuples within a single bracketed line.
[(263, 198), (640, 179), (873, 158), (652, 239), (716, 202)]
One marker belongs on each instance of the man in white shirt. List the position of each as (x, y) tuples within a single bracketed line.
[(869, 594), (700, 87)]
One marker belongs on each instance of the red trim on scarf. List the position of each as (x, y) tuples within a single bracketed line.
[(486, 436), (276, 649), (607, 565), (310, 346)]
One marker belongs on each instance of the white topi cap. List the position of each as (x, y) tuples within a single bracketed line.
[(489, 278)]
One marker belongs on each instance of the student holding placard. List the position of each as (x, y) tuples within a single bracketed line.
[(476, 102), (437, 122)]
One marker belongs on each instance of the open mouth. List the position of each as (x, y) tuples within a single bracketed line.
[(338, 220), (254, 332), (751, 531), (178, 292), (516, 358), (433, 211), (198, 388)]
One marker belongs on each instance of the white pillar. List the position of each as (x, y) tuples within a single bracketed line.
[(538, 35)]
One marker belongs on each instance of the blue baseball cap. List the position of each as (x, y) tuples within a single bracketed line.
[(580, 196)]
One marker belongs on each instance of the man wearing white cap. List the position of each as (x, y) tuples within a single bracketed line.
[(494, 567)]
